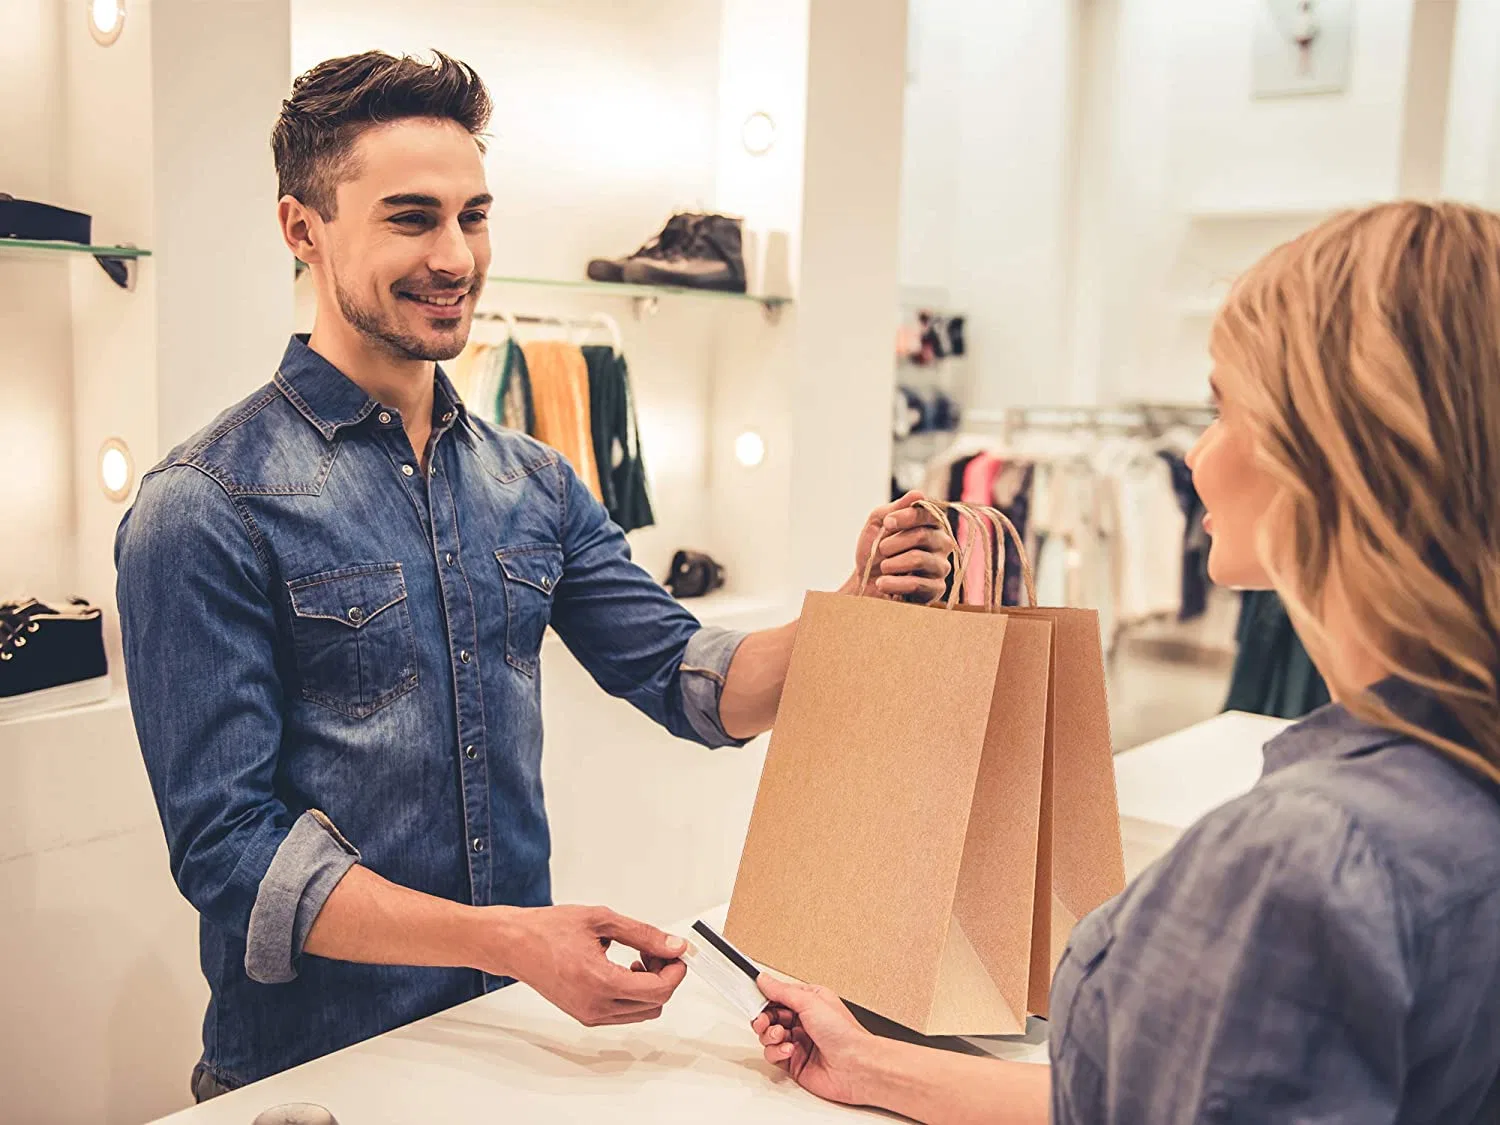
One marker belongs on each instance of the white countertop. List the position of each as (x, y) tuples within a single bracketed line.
[(510, 1056)]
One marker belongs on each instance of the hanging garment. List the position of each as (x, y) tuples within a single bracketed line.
[(1273, 675), (461, 374), (1044, 539), (1195, 543), (979, 490), (486, 380), (951, 476), (617, 439), (1012, 495), (1152, 528), (560, 390), (514, 406)]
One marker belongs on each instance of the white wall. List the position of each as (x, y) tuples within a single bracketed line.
[(36, 363), (224, 285), (1104, 154), (987, 180), (1238, 176), (1471, 159)]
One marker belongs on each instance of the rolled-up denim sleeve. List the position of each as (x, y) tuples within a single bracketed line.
[(637, 641), (199, 630)]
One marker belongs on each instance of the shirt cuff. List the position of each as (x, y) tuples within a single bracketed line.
[(307, 866), (705, 665)]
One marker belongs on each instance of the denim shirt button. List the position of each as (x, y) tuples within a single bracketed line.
[(385, 418), (448, 558), (471, 753), (408, 470), (356, 615), (465, 656), (477, 844)]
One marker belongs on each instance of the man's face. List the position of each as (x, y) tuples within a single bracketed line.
[(410, 244)]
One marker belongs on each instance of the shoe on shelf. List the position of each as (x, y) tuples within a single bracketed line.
[(676, 234), (51, 657), (713, 258)]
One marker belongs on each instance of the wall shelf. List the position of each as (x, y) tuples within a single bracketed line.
[(116, 261), (1291, 212), (646, 297)]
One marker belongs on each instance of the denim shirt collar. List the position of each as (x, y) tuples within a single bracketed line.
[(331, 401), (1334, 732)]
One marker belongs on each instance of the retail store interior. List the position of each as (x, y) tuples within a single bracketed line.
[(980, 245)]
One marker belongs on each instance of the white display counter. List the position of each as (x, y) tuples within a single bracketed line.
[(511, 1056)]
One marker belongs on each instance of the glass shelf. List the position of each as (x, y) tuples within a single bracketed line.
[(645, 295), (116, 261), (74, 248)]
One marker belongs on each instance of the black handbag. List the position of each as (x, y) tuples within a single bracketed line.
[(693, 575)]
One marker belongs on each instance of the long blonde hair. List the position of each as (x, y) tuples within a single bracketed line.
[(1365, 357)]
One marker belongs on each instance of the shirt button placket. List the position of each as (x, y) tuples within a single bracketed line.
[(472, 774)]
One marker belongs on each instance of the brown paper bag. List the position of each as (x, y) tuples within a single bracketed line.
[(937, 807)]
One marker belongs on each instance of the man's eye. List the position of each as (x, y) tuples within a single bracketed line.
[(410, 219), (475, 218)]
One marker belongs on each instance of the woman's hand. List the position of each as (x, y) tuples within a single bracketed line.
[(811, 1035)]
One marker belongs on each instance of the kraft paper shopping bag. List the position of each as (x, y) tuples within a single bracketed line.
[(910, 845)]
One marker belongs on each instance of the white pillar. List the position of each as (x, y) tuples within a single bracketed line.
[(843, 379), (224, 278)]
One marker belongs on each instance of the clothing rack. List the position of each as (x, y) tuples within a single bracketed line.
[(1133, 417), (592, 322)]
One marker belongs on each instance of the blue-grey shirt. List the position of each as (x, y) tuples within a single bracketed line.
[(1324, 949), (333, 656)]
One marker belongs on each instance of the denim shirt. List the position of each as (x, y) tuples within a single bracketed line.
[(1324, 949), (333, 657)]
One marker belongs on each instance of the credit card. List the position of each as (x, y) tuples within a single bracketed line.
[(725, 969)]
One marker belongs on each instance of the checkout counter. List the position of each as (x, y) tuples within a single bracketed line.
[(512, 1057)]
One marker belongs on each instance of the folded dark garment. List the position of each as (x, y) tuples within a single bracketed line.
[(22, 218)]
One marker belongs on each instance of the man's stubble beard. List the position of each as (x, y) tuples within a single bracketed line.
[(390, 339)]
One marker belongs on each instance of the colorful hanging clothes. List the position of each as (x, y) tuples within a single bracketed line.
[(560, 392), (1273, 675), (461, 373), (617, 439), (514, 406)]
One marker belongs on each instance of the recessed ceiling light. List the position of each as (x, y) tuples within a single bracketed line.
[(106, 20), (116, 472), (758, 133), (749, 449)]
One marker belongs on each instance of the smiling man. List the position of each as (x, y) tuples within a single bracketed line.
[(333, 601)]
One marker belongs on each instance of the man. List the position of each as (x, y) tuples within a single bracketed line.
[(333, 602)]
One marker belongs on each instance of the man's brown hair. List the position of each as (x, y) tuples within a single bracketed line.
[(336, 101)]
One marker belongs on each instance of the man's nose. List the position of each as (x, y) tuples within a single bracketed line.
[(450, 253)]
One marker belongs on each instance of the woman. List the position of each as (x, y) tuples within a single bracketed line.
[(1327, 947)]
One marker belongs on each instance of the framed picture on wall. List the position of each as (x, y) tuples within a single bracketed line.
[(1301, 47)]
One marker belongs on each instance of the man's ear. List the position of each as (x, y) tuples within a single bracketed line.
[(301, 229)]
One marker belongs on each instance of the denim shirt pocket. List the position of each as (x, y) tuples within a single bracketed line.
[(531, 573), (356, 651)]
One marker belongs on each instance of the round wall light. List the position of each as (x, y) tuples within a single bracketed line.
[(106, 20), (758, 133), (749, 449), (116, 470)]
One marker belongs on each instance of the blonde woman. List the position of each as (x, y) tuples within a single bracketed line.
[(1327, 947)]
